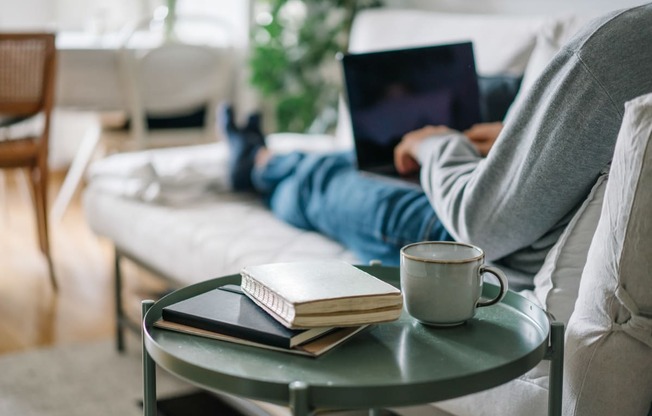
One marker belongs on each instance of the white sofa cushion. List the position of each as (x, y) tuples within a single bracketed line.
[(185, 224), (608, 367), (557, 282)]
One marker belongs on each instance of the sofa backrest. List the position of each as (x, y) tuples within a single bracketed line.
[(502, 44), (518, 7)]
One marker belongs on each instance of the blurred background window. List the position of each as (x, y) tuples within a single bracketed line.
[(104, 16)]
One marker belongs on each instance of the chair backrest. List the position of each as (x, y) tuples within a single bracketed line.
[(176, 74), (27, 77), (27, 66)]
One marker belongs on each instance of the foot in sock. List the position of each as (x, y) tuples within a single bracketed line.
[(244, 143)]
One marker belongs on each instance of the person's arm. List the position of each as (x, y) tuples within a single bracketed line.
[(405, 153), (484, 135), (543, 164)]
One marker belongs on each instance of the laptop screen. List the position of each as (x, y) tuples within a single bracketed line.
[(391, 93)]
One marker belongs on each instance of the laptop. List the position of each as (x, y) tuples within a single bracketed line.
[(390, 93)]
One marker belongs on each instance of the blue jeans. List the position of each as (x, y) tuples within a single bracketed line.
[(326, 193)]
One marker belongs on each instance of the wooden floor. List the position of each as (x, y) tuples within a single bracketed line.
[(31, 313)]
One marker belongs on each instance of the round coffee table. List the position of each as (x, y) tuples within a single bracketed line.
[(392, 364)]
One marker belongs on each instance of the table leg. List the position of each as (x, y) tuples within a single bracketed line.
[(149, 372), (556, 356), (299, 398), (119, 312)]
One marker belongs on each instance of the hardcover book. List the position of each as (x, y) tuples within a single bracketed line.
[(313, 348), (321, 294), (228, 311)]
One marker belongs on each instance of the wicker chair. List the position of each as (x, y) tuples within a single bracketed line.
[(27, 67)]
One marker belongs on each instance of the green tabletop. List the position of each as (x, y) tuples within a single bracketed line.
[(390, 364)]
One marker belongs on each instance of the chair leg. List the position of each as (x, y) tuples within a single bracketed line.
[(35, 188), (3, 196), (39, 179), (74, 177)]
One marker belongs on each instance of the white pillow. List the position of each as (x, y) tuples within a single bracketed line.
[(557, 282), (29, 127), (175, 175), (608, 366)]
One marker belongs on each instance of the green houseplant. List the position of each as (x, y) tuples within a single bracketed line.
[(293, 63)]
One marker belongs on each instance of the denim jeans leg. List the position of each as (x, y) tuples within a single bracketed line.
[(277, 169), (372, 217)]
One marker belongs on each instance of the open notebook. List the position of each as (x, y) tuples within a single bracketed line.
[(390, 93)]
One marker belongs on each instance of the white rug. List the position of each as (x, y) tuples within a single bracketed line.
[(88, 379)]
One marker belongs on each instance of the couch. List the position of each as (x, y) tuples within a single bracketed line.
[(171, 211)]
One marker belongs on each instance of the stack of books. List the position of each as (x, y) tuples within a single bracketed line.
[(305, 308)]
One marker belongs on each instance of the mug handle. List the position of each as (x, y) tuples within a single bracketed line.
[(503, 285)]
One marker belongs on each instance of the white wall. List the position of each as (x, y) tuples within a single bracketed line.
[(96, 15), (106, 15), (26, 14)]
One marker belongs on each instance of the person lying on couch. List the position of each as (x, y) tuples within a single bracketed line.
[(514, 203)]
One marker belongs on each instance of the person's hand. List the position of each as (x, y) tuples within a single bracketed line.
[(405, 153), (484, 135)]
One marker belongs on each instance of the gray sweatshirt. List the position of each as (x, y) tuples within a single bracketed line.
[(556, 141)]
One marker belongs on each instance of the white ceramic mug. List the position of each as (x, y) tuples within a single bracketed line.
[(442, 281)]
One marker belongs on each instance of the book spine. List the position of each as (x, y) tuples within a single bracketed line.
[(267, 297), (248, 334)]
